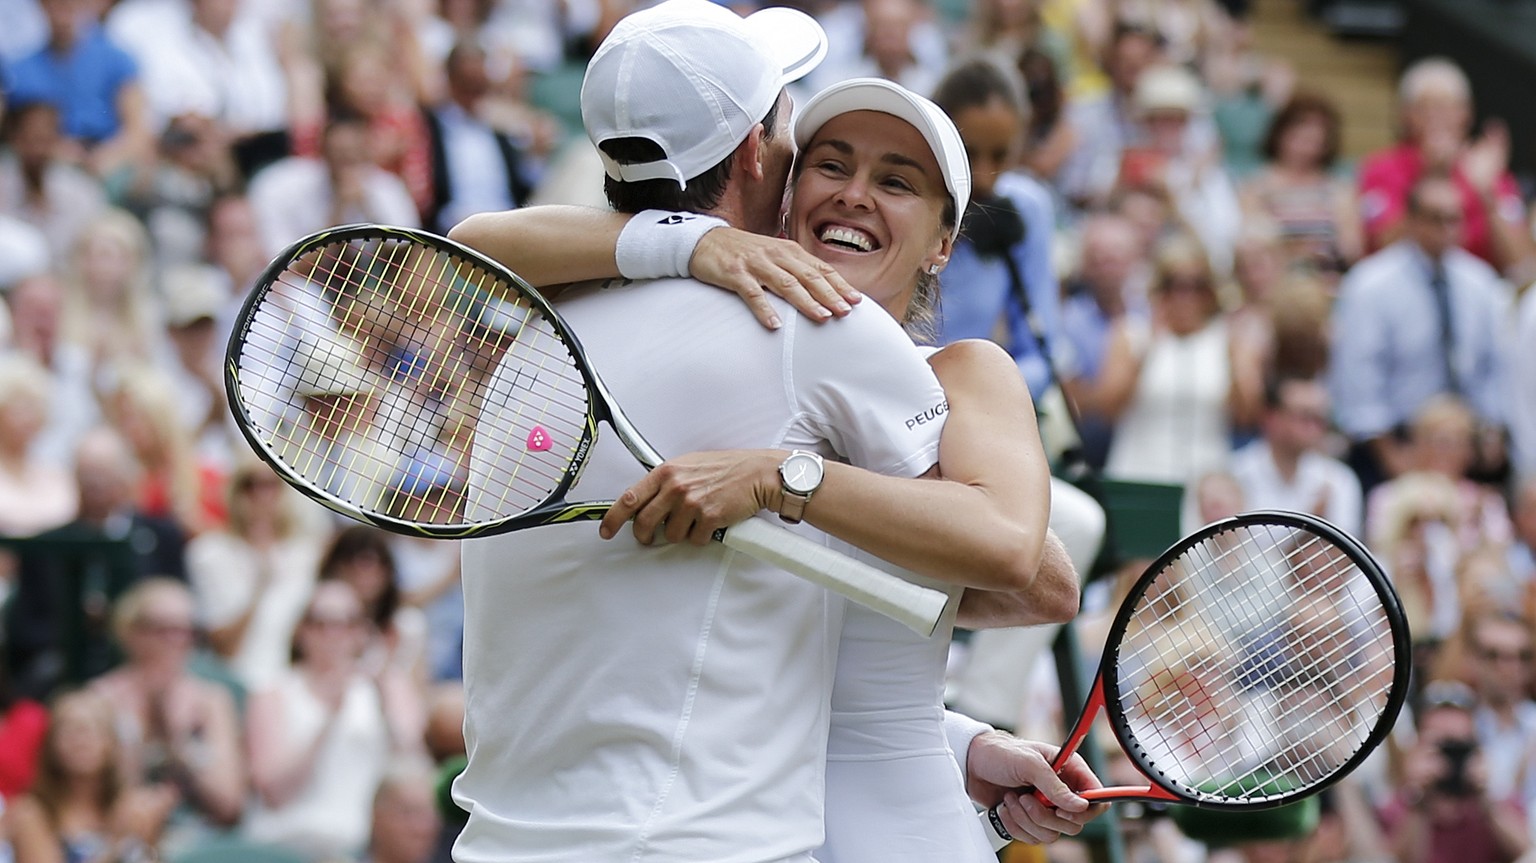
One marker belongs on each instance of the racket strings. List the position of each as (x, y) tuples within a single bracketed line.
[(393, 374), (1256, 663)]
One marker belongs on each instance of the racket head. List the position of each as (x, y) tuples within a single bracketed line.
[(409, 382), (1255, 663)]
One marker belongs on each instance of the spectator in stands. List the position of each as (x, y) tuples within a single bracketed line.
[(1501, 654), (220, 63), (1413, 534), (109, 306), (322, 731), (24, 253), (1177, 384), (1315, 211), (1423, 317), (172, 194), (195, 298), (1179, 166), (893, 39), (1522, 551), (1298, 317), (1002, 260), (429, 580), (1008, 28), (34, 495), (1286, 468), (361, 556), (175, 483), (1435, 102), (1049, 137), (1441, 811), (235, 247), (369, 83), (405, 821), (253, 577), (1442, 440), (1111, 283), (300, 195), (179, 732), (23, 728), (35, 305), (81, 808), (475, 167), (37, 185), (1189, 28), (1256, 272), (1521, 395), (58, 628), (92, 82), (1106, 123)]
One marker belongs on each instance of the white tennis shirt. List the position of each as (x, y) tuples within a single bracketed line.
[(627, 703)]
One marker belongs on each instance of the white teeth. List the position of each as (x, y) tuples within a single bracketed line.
[(848, 237)]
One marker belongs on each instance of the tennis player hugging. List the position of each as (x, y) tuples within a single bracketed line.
[(637, 700)]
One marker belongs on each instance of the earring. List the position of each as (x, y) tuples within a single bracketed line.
[(933, 269)]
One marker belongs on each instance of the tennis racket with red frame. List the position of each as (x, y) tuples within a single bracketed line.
[(366, 361), (1255, 663)]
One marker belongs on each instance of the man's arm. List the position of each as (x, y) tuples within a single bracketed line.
[(1053, 597)]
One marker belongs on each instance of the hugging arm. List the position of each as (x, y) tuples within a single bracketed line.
[(560, 244), (984, 526)]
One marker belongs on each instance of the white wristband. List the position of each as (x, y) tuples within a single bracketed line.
[(658, 244)]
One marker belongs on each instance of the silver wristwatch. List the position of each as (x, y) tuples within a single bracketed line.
[(799, 475)]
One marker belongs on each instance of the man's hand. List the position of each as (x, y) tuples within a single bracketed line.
[(1003, 771), (750, 265), (690, 497)]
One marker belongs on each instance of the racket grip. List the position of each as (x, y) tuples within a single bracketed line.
[(912, 605), (991, 825)]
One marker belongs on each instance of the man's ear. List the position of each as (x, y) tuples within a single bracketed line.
[(748, 156)]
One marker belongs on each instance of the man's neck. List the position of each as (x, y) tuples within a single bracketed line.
[(1286, 460)]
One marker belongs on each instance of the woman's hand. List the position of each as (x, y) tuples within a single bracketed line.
[(750, 265), (690, 497)]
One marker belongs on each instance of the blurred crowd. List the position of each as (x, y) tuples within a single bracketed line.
[(1164, 233)]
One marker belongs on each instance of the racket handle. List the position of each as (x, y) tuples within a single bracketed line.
[(912, 605), (991, 825)]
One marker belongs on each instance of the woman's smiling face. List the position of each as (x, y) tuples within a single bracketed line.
[(869, 199)]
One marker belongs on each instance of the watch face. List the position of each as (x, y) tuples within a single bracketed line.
[(802, 473)]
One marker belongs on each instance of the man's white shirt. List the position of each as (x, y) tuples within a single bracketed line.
[(1317, 477), (671, 704)]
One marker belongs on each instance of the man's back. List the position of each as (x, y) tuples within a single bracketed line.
[(670, 703)]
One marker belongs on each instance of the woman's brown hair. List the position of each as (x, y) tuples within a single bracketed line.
[(1304, 106)]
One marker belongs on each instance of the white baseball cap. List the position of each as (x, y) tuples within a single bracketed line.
[(694, 77), (878, 94)]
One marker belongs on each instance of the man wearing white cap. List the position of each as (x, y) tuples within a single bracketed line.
[(670, 704)]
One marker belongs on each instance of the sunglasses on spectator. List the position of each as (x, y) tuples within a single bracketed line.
[(327, 621), (1492, 655), (1192, 284), (1444, 218), (151, 626), (255, 481)]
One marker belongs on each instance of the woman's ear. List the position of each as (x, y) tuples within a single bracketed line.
[(936, 262)]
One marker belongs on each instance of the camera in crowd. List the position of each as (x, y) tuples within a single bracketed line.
[(1454, 781)]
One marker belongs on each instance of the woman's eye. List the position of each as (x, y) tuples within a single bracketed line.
[(898, 183), (830, 167)]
